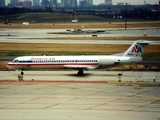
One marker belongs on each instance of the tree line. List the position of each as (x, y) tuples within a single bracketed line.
[(134, 13)]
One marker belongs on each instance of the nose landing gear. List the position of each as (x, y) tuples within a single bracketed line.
[(20, 76), (22, 73)]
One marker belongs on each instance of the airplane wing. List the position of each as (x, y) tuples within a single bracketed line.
[(79, 67)]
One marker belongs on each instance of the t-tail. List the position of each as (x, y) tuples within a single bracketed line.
[(137, 48)]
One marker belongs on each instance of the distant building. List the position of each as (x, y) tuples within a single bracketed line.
[(19, 4), (69, 3), (73, 3), (27, 4), (45, 3), (53, 3), (64, 3), (83, 3), (13, 3), (108, 2), (36, 3), (2, 3), (90, 2)]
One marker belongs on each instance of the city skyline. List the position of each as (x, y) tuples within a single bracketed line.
[(114, 2)]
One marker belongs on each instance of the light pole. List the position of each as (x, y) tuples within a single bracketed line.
[(126, 18)]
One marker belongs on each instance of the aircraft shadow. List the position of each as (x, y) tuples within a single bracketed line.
[(76, 75), (70, 74)]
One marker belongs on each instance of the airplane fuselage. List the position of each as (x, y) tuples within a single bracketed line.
[(74, 62)]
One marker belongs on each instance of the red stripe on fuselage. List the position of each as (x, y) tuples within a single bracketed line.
[(42, 64)]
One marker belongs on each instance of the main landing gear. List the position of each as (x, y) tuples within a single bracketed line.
[(22, 73), (80, 72)]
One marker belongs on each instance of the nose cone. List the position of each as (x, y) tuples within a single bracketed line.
[(10, 65)]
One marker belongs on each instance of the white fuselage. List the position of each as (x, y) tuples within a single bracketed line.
[(74, 62)]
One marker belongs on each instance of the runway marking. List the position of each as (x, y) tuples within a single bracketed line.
[(93, 89), (76, 87), (69, 86)]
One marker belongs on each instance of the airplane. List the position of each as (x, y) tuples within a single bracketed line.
[(81, 63)]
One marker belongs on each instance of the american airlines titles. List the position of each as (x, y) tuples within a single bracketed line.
[(42, 59)]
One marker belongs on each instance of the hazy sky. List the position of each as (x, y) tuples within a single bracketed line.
[(116, 1)]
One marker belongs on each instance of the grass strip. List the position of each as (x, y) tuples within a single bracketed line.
[(26, 49)]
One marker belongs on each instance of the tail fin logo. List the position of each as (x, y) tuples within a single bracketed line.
[(136, 49)]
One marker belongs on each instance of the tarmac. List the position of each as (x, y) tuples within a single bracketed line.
[(90, 76), (62, 95)]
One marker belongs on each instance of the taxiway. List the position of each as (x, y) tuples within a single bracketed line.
[(70, 100), (67, 76), (41, 36)]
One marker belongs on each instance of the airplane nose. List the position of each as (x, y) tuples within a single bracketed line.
[(9, 66)]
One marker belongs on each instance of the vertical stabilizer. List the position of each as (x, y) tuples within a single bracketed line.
[(137, 48)]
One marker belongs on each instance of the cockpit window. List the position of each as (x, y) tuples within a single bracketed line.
[(15, 61)]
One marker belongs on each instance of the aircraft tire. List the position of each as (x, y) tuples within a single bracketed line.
[(80, 73), (22, 73)]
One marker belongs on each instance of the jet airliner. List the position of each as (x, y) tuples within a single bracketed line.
[(81, 63)]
